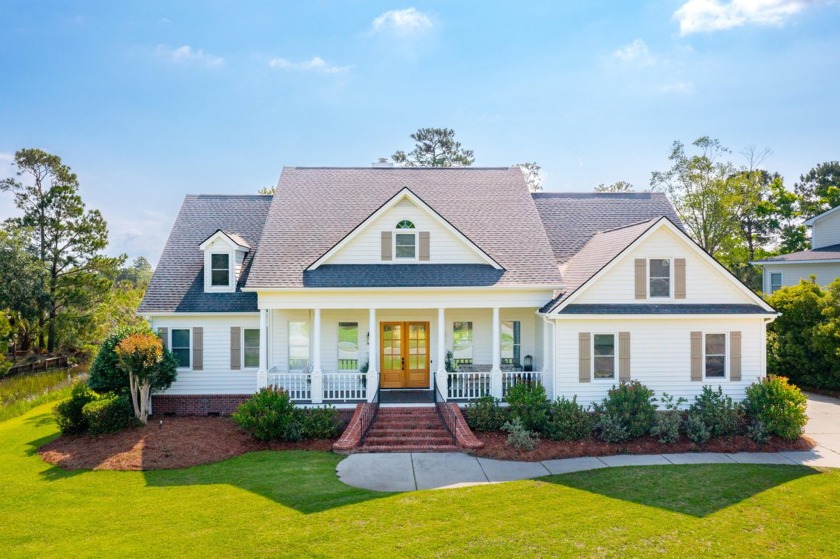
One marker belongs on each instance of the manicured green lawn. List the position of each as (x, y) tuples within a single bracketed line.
[(291, 504)]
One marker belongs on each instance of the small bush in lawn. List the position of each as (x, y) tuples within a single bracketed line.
[(528, 402), (777, 404), (519, 437), (270, 415), (696, 430), (666, 428), (68, 413), (108, 414), (631, 403), (718, 412), (568, 421), (321, 423), (757, 431), (485, 414), (611, 429)]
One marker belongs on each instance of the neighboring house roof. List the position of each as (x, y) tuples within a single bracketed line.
[(178, 282), (314, 208), (810, 222), (571, 219), (818, 254), (664, 309)]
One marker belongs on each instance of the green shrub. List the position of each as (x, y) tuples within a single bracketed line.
[(106, 376), (528, 402), (68, 413), (631, 403), (718, 412), (320, 423), (270, 415), (757, 431), (611, 429), (108, 414), (519, 437), (568, 421), (485, 414), (666, 428), (696, 430), (780, 406)]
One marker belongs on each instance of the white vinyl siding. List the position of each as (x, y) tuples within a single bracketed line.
[(661, 355), (793, 273), (826, 231), (704, 283), (366, 247)]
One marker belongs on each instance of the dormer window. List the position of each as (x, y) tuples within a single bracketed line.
[(220, 270), (405, 241)]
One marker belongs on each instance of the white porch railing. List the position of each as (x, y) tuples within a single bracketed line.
[(298, 385), (467, 386), (509, 378), (345, 386)]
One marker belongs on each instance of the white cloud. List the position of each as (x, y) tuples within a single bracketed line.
[(186, 54), (314, 64), (714, 15), (138, 235), (676, 87), (407, 22), (636, 52)]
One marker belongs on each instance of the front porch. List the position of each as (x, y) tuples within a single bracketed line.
[(347, 356)]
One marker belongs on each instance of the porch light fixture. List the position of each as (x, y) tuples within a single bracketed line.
[(529, 363)]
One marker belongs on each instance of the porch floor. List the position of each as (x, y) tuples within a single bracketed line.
[(404, 396)]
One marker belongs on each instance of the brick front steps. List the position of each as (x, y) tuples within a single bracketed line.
[(408, 430)]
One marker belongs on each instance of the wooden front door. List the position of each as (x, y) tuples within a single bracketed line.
[(404, 354)]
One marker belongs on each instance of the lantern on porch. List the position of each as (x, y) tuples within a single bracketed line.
[(529, 363)]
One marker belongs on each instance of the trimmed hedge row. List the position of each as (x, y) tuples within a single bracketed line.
[(86, 411), (270, 415)]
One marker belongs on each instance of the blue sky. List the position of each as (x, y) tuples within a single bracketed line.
[(150, 101)]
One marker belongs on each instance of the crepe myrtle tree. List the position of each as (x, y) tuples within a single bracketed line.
[(142, 357)]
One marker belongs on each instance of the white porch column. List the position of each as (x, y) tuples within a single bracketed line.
[(373, 351), (262, 373), (496, 369), (441, 353), (317, 373)]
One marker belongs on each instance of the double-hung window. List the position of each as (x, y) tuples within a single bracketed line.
[(405, 241), (462, 343), (715, 356), (181, 346), (298, 345), (659, 277), (220, 270), (348, 346), (251, 348), (511, 343), (775, 281), (603, 350)]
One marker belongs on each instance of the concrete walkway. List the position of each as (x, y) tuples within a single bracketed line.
[(412, 471)]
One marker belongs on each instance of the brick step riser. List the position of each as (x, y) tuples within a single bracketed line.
[(380, 441), (405, 417), (406, 426), (447, 448), (380, 432)]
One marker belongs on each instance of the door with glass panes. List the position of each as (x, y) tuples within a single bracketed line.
[(404, 354)]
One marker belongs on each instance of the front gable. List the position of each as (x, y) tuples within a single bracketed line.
[(626, 279), (405, 217)]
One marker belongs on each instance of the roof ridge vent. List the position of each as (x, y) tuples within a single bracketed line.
[(382, 162)]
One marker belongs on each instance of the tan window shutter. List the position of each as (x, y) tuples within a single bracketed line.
[(679, 278), (386, 245), (697, 356), (735, 356), (198, 348), (235, 348), (424, 245), (624, 356), (585, 356), (164, 337), (641, 278)]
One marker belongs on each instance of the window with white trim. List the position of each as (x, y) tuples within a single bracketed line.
[(775, 281), (604, 356), (659, 277), (511, 343), (220, 269), (462, 343), (251, 348), (180, 346), (348, 346), (298, 345), (405, 241), (714, 356)]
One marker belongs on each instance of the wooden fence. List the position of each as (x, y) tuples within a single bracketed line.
[(42, 365)]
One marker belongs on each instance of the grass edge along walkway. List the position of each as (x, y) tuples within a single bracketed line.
[(292, 504)]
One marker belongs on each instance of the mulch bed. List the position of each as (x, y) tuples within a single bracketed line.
[(179, 443), (495, 447)]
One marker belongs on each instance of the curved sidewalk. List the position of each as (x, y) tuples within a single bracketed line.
[(412, 471)]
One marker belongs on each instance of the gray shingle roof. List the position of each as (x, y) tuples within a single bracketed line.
[(825, 253), (664, 309), (571, 219), (314, 208), (178, 281), (402, 275)]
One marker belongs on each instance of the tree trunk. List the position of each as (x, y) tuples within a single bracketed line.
[(132, 387), (145, 388)]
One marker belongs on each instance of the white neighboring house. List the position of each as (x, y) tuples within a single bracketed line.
[(349, 281), (822, 261)]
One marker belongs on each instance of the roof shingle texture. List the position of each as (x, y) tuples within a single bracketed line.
[(831, 252), (572, 219), (664, 309), (178, 281), (315, 208)]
